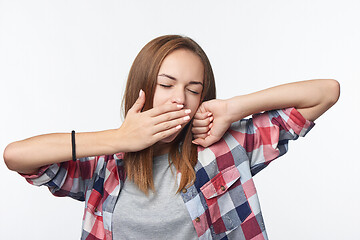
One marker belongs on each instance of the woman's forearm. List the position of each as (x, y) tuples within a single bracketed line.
[(138, 131), (26, 156), (311, 98)]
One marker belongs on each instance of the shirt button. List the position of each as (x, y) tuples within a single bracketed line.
[(184, 190), (222, 188), (197, 219)]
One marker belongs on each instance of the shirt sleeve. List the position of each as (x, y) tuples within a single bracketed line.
[(69, 178), (265, 136)]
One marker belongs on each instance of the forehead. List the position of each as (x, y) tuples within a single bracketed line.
[(183, 64)]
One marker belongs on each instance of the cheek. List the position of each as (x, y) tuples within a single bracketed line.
[(159, 97), (194, 106)]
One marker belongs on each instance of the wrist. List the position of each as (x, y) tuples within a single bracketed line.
[(235, 109), (117, 140), (246, 105)]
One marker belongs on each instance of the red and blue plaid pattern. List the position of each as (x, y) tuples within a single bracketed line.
[(222, 202)]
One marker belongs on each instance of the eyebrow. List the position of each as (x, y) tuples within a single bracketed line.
[(173, 78)]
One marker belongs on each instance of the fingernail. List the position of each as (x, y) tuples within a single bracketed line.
[(212, 118), (178, 127), (187, 111), (180, 105), (140, 93), (195, 143), (186, 118), (209, 114)]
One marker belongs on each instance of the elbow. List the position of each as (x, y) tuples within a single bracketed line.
[(328, 92), (326, 95), (334, 91), (11, 158)]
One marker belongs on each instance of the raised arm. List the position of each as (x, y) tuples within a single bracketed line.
[(138, 131), (311, 98)]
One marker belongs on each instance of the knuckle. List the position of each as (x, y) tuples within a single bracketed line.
[(201, 123), (198, 116), (162, 135), (166, 125), (203, 136), (168, 117), (201, 130)]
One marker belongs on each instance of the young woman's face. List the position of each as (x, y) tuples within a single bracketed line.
[(180, 81)]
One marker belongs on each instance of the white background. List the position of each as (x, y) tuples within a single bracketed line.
[(63, 66)]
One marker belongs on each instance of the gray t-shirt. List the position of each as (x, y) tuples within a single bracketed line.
[(160, 215)]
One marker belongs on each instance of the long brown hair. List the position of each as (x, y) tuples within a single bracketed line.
[(143, 75)]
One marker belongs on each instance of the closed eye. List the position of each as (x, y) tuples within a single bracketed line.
[(169, 86), (192, 91)]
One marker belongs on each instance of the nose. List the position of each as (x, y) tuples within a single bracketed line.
[(178, 96)]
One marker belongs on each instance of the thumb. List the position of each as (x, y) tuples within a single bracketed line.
[(139, 103), (209, 140)]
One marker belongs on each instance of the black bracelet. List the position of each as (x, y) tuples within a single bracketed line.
[(73, 145)]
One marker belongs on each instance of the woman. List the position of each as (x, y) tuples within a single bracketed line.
[(181, 164)]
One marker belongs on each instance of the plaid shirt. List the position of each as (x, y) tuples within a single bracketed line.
[(222, 202)]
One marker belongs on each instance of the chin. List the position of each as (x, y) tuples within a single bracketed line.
[(169, 139)]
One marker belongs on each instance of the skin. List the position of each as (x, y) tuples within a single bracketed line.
[(179, 85), (311, 98), (180, 81), (175, 104)]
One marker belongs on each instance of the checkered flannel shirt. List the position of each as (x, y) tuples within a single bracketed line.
[(222, 202)]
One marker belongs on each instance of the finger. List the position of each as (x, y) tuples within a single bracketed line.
[(139, 103), (206, 142), (202, 116), (200, 130), (164, 134), (203, 136), (170, 124), (202, 108), (165, 117), (202, 123), (156, 111)]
